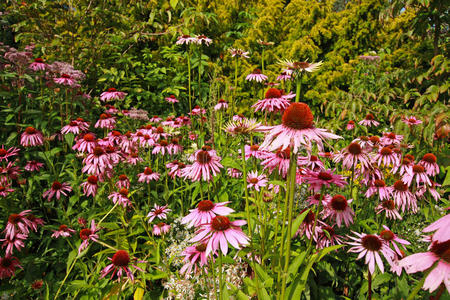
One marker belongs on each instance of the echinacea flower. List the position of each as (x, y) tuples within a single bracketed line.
[(256, 75), (386, 157), (323, 178), (391, 237), (63, 231), (371, 246), (327, 236), (236, 52), (379, 187), (339, 210), (441, 228), (17, 223), (86, 143), (161, 228), (194, 257), (120, 197), (106, 121), (175, 168), (38, 65), (429, 163), (403, 197), (5, 189), (221, 105), (88, 234), (369, 121), (418, 173), (8, 266), (220, 232), (256, 181), (96, 162), (123, 182), (5, 154), (390, 138), (280, 159), (148, 175), (411, 121), (112, 94), (119, 266), (74, 127), (242, 126), (171, 99), (274, 101), (350, 125), (206, 210), (419, 262), (66, 80), (159, 212), (300, 66), (254, 151), (296, 130), (388, 206), (202, 39), (311, 161), (185, 39), (353, 155), (57, 189), (161, 148), (234, 173), (15, 242), (90, 186), (284, 76), (31, 137), (206, 163)]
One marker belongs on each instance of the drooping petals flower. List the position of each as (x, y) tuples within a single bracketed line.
[(57, 189), (441, 228), (63, 231), (112, 94), (339, 210), (31, 137), (323, 178), (120, 266), (256, 181), (206, 210), (88, 234), (369, 121), (159, 212)]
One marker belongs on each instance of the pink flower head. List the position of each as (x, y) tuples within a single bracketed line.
[(38, 65), (284, 76), (379, 187), (256, 75), (206, 163), (197, 111), (327, 236), (97, 162), (221, 231), (159, 212), (90, 186), (390, 237), (353, 155), (388, 206), (162, 147), (63, 231), (155, 119), (390, 138), (323, 178), (254, 151), (411, 121), (88, 234), (106, 121), (350, 125), (119, 266), (311, 161), (148, 175), (202, 39), (17, 223), (370, 246), (221, 105), (5, 189), (418, 173), (85, 143), (15, 242), (441, 228), (403, 197), (161, 228), (185, 39), (175, 168), (174, 146), (194, 256), (31, 137), (274, 101), (206, 210), (256, 181), (66, 80), (420, 262), (123, 182), (339, 210), (171, 99), (234, 173), (429, 163), (8, 266), (279, 160), (112, 94), (296, 130), (386, 157), (236, 52), (74, 127), (315, 199), (369, 121), (121, 197), (5, 154), (57, 189)]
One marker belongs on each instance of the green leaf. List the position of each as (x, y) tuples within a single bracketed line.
[(298, 221), (173, 3), (138, 294)]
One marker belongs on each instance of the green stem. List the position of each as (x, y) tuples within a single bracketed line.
[(107, 214), (220, 276), (236, 63), (67, 275), (189, 78), (298, 92), (244, 173)]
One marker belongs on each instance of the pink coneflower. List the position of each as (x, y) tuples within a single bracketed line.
[(86, 143), (284, 76), (370, 246), (421, 190), (419, 262), (307, 226), (403, 168), (390, 237), (350, 125), (197, 111), (123, 182), (90, 186), (352, 156), (66, 80), (88, 234), (411, 121), (171, 99), (429, 163), (17, 223), (418, 173), (148, 175), (256, 181), (5, 154), (159, 212), (442, 228), (314, 199), (8, 266), (390, 138), (96, 162), (119, 266), (300, 66), (110, 109), (339, 210), (254, 151), (256, 75), (5, 189), (244, 126), (202, 39), (206, 162), (63, 231), (133, 158), (369, 121), (155, 119), (386, 157), (379, 187), (221, 105), (57, 189), (35, 222), (327, 236), (31, 137), (38, 65), (174, 146), (311, 161), (112, 94), (403, 197), (238, 117), (159, 133), (161, 228), (296, 130), (279, 160), (106, 121), (220, 231), (14, 242), (121, 197), (236, 52), (175, 168), (234, 173), (206, 210), (185, 39), (193, 256), (161, 147), (73, 127), (274, 101), (323, 178)]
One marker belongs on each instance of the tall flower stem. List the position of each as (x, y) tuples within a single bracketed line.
[(277, 222), (189, 77), (233, 100), (369, 281), (67, 275), (298, 91), (213, 278), (244, 176), (220, 276), (292, 175), (107, 214)]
